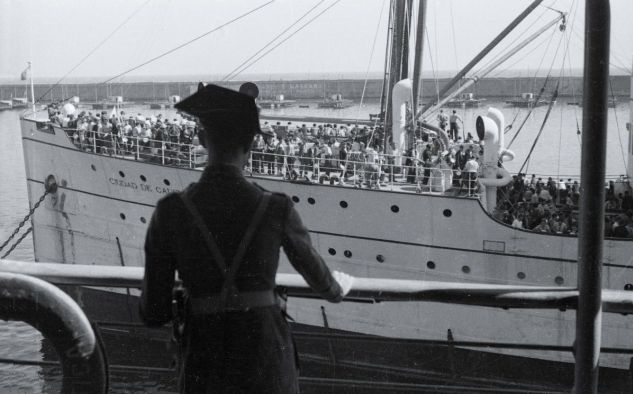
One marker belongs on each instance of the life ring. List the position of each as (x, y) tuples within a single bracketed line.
[(60, 320)]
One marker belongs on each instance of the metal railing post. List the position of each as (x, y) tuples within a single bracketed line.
[(591, 221)]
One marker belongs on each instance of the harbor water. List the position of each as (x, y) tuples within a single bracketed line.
[(557, 153)]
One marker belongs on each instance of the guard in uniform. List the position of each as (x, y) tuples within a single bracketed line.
[(222, 235)]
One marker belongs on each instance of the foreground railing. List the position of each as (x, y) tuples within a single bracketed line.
[(363, 289)]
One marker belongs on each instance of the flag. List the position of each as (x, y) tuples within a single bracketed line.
[(25, 73)]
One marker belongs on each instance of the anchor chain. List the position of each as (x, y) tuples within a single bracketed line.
[(28, 230), (20, 225)]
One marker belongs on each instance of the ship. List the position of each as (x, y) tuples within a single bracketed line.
[(279, 101), (109, 103), (19, 102), (164, 104), (466, 100), (527, 100), (335, 101), (5, 104), (103, 204)]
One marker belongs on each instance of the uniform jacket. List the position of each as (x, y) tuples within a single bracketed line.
[(244, 351)]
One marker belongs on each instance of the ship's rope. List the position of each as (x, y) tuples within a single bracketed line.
[(234, 73), (617, 128), (435, 77), (125, 21), (237, 18), (549, 110), (549, 72), (246, 67), (371, 56)]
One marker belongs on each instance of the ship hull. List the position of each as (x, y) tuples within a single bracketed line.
[(100, 213)]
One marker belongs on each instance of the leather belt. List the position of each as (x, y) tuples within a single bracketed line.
[(239, 302)]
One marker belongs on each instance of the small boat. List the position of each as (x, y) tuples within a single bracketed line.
[(527, 100), (5, 104), (336, 101), (276, 102), (19, 102), (466, 100), (613, 102), (109, 103), (163, 104), (304, 106)]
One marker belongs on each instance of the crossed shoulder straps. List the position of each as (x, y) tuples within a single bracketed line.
[(228, 271)]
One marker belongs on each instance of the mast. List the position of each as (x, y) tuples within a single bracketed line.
[(630, 129), (385, 78), (32, 89), (419, 48), (592, 192), (484, 52), (399, 46)]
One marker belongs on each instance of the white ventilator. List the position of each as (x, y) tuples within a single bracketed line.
[(490, 129)]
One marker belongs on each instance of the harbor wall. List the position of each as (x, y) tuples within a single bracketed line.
[(309, 89)]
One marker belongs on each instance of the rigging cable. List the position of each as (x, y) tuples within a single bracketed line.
[(615, 115), (230, 74), (285, 39), (189, 42), (371, 56), (371, 137), (435, 77), (94, 50), (549, 110), (549, 72), (151, 37)]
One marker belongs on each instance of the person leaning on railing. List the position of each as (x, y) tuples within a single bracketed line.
[(223, 236)]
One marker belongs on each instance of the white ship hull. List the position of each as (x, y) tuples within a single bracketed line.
[(103, 202)]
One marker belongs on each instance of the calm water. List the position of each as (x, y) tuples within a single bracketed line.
[(557, 152)]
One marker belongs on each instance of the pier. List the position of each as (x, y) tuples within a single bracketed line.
[(307, 89)]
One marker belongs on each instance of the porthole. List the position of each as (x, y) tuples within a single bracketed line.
[(122, 216), (559, 280), (122, 174), (628, 287), (448, 213), (143, 178), (143, 220), (93, 167), (295, 199), (521, 275), (166, 182), (430, 265), (395, 209), (332, 251), (380, 258), (347, 254), (343, 204), (311, 201), (466, 269)]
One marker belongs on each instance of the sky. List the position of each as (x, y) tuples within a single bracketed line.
[(102, 39)]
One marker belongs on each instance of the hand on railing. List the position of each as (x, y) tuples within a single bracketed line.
[(344, 280)]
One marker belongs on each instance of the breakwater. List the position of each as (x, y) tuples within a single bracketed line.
[(308, 89)]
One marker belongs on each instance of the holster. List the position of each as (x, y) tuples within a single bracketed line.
[(179, 312)]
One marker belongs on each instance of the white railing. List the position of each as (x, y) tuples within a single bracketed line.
[(386, 172), (355, 170), (166, 152)]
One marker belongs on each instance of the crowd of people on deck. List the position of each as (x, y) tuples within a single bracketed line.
[(552, 206), (338, 154), (171, 141)]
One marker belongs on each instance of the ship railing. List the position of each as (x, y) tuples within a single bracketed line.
[(389, 172), (170, 151)]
